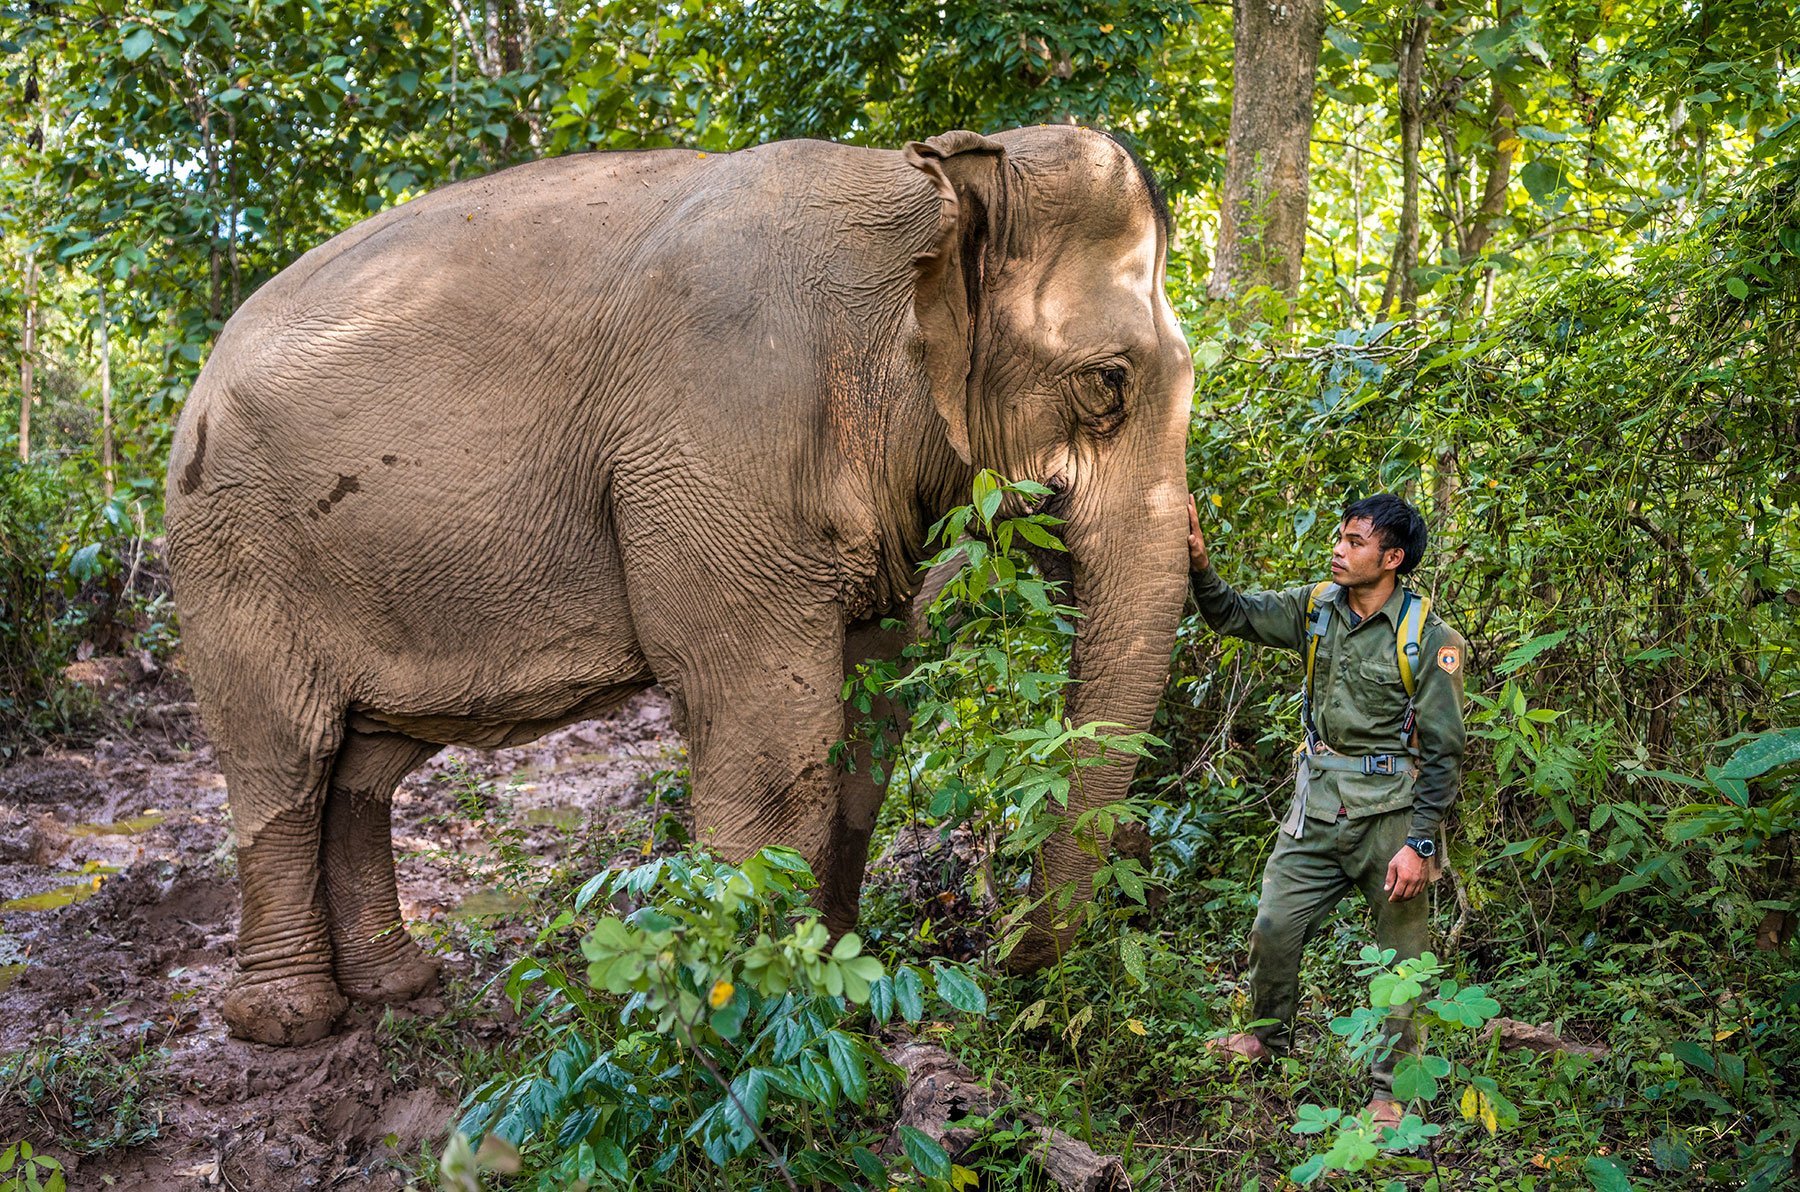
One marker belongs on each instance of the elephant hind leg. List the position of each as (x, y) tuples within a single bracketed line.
[(376, 961), (276, 752)]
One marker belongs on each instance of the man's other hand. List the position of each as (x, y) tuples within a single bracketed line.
[(1197, 560), (1405, 875)]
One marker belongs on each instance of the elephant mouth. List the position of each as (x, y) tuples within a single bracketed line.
[(1055, 566), (1057, 499)]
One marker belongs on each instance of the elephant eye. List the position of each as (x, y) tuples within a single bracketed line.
[(1105, 410)]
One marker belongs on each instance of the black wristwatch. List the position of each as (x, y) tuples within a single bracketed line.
[(1423, 845)]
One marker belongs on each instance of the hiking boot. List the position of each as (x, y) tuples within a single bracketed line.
[(1244, 1046)]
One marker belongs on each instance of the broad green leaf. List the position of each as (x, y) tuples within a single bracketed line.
[(928, 1157), (1771, 751), (847, 1063), (909, 993), (137, 43), (1606, 1175), (1521, 655), (959, 990)]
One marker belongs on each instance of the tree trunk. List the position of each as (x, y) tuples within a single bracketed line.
[(28, 345), (1262, 215), (1401, 284), (106, 419), (1499, 176)]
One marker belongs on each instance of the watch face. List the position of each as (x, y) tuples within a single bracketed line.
[(1424, 848)]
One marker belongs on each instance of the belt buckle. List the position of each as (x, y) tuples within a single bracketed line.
[(1381, 763)]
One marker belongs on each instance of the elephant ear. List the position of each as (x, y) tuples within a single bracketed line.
[(969, 173)]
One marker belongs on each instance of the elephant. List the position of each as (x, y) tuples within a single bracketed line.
[(493, 460)]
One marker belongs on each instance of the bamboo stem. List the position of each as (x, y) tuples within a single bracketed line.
[(106, 419), (27, 347)]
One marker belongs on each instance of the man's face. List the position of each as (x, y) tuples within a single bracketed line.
[(1358, 560)]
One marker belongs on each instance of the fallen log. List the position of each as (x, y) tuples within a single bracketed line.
[(1522, 1036), (939, 1090)]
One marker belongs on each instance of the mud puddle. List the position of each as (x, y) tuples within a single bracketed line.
[(118, 911)]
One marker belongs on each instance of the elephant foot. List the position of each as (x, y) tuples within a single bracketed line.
[(283, 1011), (391, 980)]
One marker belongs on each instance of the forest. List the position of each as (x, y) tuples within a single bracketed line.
[(1533, 265)]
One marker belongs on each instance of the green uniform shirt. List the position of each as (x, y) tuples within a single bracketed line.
[(1358, 698)]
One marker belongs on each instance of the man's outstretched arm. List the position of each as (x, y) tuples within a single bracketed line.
[(1267, 618)]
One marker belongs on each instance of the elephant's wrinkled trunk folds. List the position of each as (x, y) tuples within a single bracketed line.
[(1129, 549)]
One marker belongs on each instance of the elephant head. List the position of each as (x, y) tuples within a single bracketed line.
[(1054, 355)]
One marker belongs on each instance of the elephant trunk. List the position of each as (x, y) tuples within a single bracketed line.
[(1128, 546)]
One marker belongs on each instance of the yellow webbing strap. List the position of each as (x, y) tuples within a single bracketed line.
[(1406, 641)]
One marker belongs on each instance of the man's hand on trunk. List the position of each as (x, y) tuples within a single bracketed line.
[(1197, 559)]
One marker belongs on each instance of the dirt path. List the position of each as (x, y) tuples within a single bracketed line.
[(117, 918)]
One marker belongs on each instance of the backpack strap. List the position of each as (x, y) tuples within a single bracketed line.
[(1318, 620), (1407, 651), (1406, 639)]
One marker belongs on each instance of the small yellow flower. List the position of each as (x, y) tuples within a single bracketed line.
[(1217, 500), (721, 993), (1106, 28)]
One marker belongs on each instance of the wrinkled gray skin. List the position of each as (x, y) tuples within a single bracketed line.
[(492, 461)]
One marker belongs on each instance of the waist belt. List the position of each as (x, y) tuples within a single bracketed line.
[(1375, 763)]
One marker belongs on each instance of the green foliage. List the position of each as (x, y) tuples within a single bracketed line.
[(1356, 1144), (24, 1170), (1594, 406), (718, 1016), (992, 750), (90, 1088)]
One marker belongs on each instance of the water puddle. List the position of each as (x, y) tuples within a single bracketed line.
[(560, 815), (129, 827), (65, 895), (490, 904), (528, 777)]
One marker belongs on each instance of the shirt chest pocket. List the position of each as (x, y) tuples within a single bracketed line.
[(1379, 691)]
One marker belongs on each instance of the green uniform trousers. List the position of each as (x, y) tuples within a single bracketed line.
[(1302, 882)]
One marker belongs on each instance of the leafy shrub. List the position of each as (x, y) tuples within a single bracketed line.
[(718, 1017)]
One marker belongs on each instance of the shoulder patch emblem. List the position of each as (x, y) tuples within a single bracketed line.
[(1449, 660)]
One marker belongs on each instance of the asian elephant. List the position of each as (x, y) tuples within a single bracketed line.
[(492, 461)]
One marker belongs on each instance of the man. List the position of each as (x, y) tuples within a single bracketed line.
[(1379, 768)]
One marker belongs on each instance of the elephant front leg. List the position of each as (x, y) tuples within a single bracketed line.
[(376, 961), (760, 734), (840, 886)]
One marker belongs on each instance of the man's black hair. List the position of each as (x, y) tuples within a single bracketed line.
[(1396, 523)]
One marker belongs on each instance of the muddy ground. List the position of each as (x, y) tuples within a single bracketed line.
[(118, 914)]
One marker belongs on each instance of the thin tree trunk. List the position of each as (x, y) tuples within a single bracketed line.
[(1499, 176), (106, 419), (1401, 284), (490, 65), (1356, 188), (1410, 56), (214, 259), (231, 221), (27, 346), (1262, 215)]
